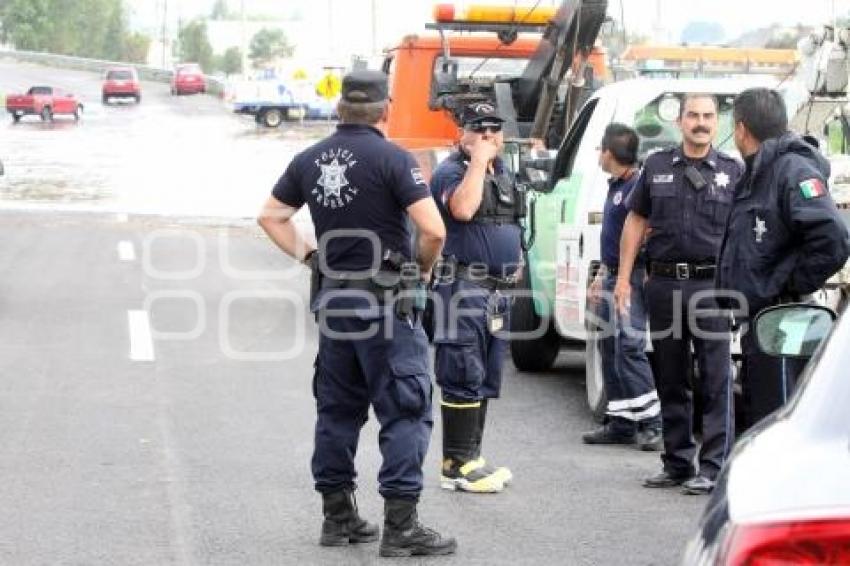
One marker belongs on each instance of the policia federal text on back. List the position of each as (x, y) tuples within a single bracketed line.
[(360, 189)]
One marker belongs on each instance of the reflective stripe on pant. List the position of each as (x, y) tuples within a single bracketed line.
[(629, 384), (672, 336), (468, 357), (392, 376)]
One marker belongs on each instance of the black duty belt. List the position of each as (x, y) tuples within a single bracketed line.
[(683, 270), (613, 270), (367, 284), (483, 279)]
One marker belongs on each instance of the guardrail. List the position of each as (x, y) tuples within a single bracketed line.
[(214, 84)]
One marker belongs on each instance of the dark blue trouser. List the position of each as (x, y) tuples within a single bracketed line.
[(675, 326), (766, 382), (468, 357), (629, 384), (387, 369)]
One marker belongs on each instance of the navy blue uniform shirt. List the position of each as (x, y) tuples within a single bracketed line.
[(785, 234), (614, 217), (355, 180), (687, 223), (495, 245)]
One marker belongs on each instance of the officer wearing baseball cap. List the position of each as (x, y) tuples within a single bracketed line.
[(364, 87), (477, 198), (361, 190), (481, 115)]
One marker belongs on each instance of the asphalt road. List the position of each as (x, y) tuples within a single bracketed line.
[(155, 403)]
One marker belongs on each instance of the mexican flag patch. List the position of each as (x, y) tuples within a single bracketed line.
[(812, 188)]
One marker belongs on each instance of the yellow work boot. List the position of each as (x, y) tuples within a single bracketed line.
[(471, 477), (462, 469), (500, 471)]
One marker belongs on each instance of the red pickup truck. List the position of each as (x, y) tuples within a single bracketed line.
[(44, 101)]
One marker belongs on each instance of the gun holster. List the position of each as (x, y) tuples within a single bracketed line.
[(315, 276), (411, 293)]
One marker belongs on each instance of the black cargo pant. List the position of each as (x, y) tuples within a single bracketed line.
[(682, 314)]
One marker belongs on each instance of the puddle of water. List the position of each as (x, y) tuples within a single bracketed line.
[(58, 190)]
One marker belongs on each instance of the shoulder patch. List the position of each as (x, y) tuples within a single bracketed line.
[(812, 188), (417, 175)]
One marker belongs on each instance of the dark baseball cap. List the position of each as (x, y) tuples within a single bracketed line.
[(364, 86), (482, 114)]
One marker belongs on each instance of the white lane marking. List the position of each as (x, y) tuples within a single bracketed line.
[(122, 217), (126, 251), (141, 341)]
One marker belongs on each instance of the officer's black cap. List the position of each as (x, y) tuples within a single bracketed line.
[(364, 86), (480, 114)]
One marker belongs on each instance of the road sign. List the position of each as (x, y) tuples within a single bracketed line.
[(329, 87)]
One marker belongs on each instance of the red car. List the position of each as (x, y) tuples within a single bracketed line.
[(121, 82), (188, 79), (44, 101)]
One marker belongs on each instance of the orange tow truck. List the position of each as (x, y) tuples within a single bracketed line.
[(534, 63)]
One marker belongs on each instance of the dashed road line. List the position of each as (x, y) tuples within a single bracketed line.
[(141, 339), (126, 251)]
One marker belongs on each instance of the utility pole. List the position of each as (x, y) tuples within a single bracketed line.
[(243, 47), (374, 31), (164, 33), (330, 30)]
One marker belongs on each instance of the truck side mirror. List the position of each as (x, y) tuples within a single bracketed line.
[(445, 77), (793, 330)]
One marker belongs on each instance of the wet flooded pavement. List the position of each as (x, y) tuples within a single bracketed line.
[(187, 155)]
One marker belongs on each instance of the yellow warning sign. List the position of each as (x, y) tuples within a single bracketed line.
[(299, 75), (329, 87)]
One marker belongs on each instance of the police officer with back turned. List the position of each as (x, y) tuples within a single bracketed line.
[(683, 196), (360, 190), (784, 238)]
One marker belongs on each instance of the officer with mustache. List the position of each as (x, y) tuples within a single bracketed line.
[(680, 205)]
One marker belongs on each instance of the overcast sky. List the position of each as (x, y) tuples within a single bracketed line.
[(345, 26)]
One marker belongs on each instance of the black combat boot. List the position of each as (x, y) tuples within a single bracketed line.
[(462, 468), (342, 524), (404, 535)]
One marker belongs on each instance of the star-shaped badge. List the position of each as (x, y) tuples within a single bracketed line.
[(721, 179), (333, 178), (760, 229)]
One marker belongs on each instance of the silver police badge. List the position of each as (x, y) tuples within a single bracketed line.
[(760, 229)]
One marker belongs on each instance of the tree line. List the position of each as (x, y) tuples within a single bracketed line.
[(99, 29), (96, 29), (267, 45)]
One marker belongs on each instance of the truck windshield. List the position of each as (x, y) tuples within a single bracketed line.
[(489, 67), (656, 124)]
